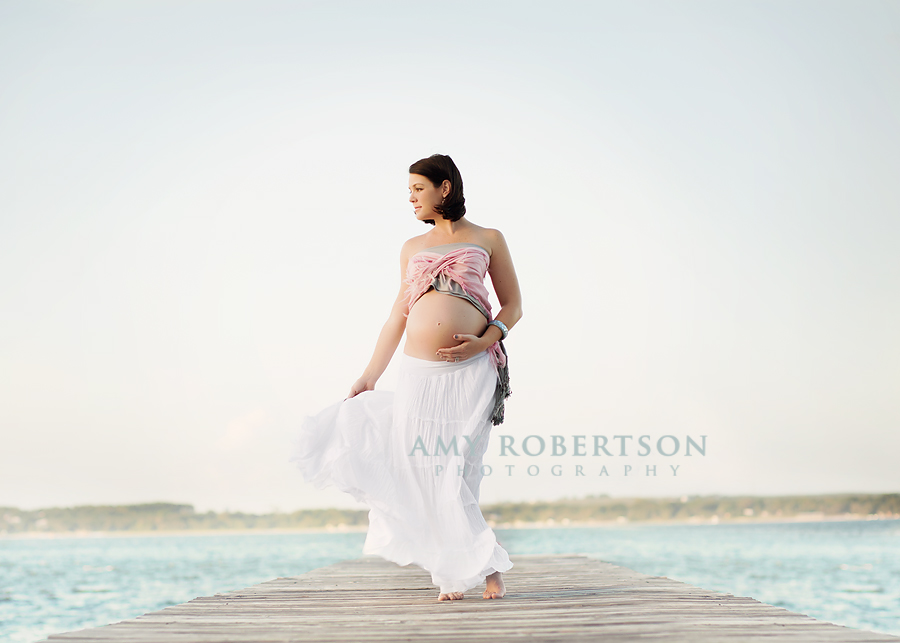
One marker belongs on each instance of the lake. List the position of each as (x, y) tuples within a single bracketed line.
[(845, 572)]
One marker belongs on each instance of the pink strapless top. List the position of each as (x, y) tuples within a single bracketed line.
[(459, 272)]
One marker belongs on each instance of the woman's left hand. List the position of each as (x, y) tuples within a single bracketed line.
[(470, 347)]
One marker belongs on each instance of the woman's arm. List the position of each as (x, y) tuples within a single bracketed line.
[(389, 338), (506, 285)]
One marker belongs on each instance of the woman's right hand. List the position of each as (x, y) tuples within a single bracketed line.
[(362, 384)]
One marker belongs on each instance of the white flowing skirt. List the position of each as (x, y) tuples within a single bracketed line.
[(414, 457)]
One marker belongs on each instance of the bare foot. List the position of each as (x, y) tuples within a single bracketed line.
[(451, 596), (495, 587)]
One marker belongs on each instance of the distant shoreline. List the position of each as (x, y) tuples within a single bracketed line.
[(166, 518), (551, 524)]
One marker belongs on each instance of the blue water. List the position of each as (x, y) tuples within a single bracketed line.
[(843, 572)]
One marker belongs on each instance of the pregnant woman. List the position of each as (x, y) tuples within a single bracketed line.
[(414, 456)]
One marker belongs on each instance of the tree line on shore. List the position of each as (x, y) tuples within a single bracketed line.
[(163, 516)]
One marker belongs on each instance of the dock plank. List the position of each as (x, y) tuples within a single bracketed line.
[(549, 598)]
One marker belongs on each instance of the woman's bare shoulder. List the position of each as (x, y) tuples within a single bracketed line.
[(492, 239), (413, 243)]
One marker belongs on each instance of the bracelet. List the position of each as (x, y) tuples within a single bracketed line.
[(499, 324)]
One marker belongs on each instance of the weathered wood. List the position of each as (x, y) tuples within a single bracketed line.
[(549, 598)]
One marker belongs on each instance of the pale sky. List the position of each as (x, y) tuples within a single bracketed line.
[(202, 206)]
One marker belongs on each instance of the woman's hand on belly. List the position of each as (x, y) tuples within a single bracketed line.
[(470, 347), (434, 323)]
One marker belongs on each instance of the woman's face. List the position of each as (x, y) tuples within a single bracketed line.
[(424, 196)]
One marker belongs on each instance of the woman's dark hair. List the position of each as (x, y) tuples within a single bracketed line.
[(437, 168)]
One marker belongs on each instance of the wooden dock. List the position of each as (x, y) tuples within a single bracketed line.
[(549, 598)]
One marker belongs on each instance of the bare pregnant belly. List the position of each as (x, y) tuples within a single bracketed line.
[(433, 321)]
